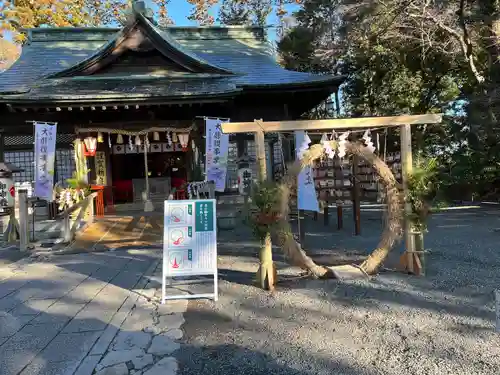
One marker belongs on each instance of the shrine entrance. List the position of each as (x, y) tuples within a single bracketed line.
[(166, 171)]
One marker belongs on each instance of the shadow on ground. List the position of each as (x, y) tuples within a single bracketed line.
[(392, 324), (232, 359), (53, 313)]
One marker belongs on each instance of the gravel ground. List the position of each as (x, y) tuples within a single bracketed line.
[(394, 324)]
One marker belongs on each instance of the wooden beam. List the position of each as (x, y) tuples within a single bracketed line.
[(347, 123)]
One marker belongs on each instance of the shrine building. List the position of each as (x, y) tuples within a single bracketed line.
[(144, 84)]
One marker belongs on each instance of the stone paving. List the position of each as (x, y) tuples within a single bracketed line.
[(121, 232), (88, 314)]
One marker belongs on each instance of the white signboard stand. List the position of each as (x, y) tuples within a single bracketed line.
[(497, 308), (189, 243)]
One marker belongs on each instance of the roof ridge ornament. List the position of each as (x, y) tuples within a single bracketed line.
[(141, 8)]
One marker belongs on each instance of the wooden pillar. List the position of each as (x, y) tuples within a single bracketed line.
[(337, 102), (265, 274), (148, 205), (340, 213), (302, 226), (2, 146), (356, 193), (261, 155), (23, 220), (287, 149), (326, 213), (270, 175), (409, 259), (340, 216), (241, 145)]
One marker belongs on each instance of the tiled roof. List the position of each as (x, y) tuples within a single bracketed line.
[(123, 88), (41, 57), (244, 53), (241, 50)]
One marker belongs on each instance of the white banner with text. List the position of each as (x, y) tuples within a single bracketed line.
[(306, 192), (216, 153)]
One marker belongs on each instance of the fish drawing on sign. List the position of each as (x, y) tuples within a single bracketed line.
[(177, 237), (175, 260), (177, 215)]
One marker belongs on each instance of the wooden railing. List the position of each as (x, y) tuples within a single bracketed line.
[(85, 206), (19, 230)]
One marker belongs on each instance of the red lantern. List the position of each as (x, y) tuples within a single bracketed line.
[(89, 146)]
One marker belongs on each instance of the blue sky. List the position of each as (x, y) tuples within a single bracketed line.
[(181, 10)]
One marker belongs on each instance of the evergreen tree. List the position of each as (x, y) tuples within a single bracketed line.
[(234, 12)]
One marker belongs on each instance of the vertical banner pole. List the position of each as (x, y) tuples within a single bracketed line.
[(148, 204), (163, 278), (23, 220), (214, 254)]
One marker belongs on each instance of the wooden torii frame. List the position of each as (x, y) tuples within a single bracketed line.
[(259, 127)]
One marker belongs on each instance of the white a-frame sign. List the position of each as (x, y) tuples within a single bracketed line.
[(189, 243)]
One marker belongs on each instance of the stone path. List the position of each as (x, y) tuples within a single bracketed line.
[(121, 232), (88, 314), (9, 254)]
